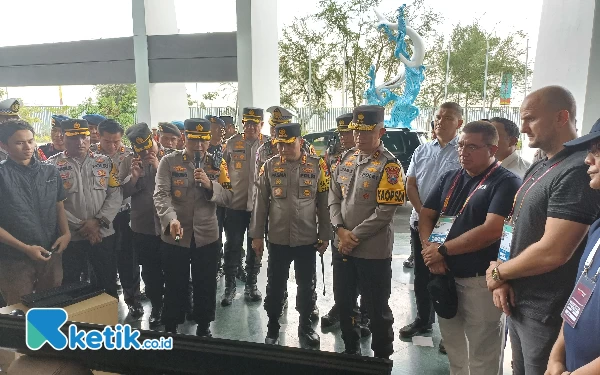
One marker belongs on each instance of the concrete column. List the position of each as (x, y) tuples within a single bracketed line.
[(257, 53), (156, 101), (568, 54)]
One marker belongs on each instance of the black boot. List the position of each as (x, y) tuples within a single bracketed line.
[(331, 318), (251, 292), (272, 333), (229, 293), (353, 349), (155, 316), (414, 328), (203, 330), (306, 332)]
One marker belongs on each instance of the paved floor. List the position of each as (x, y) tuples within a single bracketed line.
[(248, 321)]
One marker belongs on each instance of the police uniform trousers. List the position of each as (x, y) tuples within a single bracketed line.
[(374, 279), (102, 259), (425, 311), (280, 258), (148, 249), (221, 211), (128, 264), (176, 266), (237, 223)]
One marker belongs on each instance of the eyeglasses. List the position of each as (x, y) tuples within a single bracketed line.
[(469, 148), (594, 149)]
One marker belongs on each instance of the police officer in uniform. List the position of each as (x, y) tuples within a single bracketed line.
[(9, 109), (93, 200), (58, 140), (240, 155), (230, 129), (215, 152), (366, 188), (137, 173), (110, 144), (94, 120), (293, 182), (186, 200), (181, 140), (168, 136), (343, 142)]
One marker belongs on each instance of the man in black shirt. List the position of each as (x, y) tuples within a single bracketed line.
[(552, 214), (475, 200), (33, 222)]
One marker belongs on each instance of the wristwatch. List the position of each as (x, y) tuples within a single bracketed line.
[(496, 274), (335, 228), (442, 249), (104, 223)]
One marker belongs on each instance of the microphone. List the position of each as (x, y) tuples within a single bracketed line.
[(198, 163)]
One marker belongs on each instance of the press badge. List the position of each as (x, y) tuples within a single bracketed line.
[(505, 241), (441, 229), (578, 299)]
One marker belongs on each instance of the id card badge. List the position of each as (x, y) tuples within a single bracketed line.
[(578, 299), (441, 229), (505, 241)]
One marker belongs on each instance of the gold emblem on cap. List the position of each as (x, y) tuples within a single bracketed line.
[(251, 112), (361, 116), (139, 140), (15, 107), (213, 120), (277, 114), (282, 133), (76, 126), (341, 122), (199, 128)]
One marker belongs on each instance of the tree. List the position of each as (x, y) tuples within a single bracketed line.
[(467, 66), (113, 101), (191, 102)]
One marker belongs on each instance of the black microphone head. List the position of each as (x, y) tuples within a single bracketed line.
[(197, 155)]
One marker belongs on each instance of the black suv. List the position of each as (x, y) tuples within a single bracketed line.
[(401, 142)]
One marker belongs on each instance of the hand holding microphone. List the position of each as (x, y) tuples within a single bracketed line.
[(200, 176)]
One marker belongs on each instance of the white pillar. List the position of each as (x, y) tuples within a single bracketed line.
[(257, 53), (568, 54), (156, 101)]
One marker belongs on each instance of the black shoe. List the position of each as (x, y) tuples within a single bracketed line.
[(314, 315), (203, 330), (414, 328), (171, 328), (136, 310), (155, 317), (251, 293), (272, 337), (441, 347), (306, 332), (241, 274), (409, 262), (353, 349), (229, 293)]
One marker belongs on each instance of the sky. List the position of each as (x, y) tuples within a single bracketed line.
[(71, 20)]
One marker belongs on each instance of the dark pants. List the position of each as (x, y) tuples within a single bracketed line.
[(362, 309), (280, 258), (148, 249), (221, 211), (374, 278), (425, 311), (102, 258), (236, 224), (176, 266), (128, 264)]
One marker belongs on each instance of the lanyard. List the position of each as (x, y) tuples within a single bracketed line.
[(590, 260), (527, 191), (455, 182)]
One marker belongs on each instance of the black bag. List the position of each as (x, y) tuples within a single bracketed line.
[(442, 289)]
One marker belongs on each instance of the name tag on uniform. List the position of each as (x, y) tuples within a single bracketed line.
[(441, 229), (505, 241), (578, 300)]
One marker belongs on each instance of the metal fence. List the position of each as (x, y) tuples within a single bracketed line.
[(41, 116)]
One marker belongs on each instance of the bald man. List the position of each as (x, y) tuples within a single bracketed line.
[(535, 274)]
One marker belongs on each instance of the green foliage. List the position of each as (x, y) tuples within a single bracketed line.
[(191, 102), (113, 101), (467, 66)]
